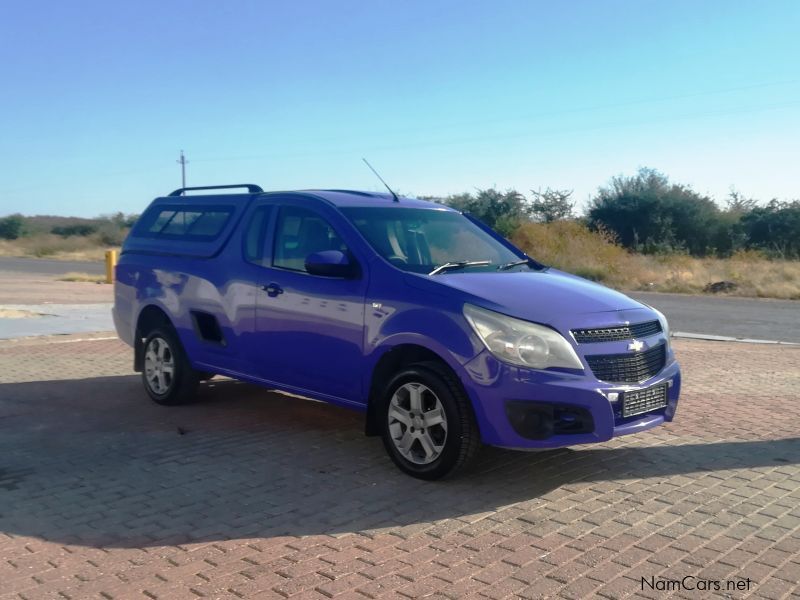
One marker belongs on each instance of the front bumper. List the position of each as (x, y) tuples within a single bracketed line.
[(492, 385)]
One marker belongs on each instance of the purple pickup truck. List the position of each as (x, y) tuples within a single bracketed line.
[(442, 332)]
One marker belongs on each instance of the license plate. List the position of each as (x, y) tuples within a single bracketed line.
[(638, 402)]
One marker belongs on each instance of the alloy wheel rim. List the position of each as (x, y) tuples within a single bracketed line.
[(417, 423), (159, 365)]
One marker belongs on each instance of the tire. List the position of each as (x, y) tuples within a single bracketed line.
[(167, 375), (427, 423)]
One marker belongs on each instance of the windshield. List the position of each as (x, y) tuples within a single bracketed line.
[(420, 240)]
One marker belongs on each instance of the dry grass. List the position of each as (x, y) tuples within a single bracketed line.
[(47, 245), (567, 245), (572, 247), (82, 277)]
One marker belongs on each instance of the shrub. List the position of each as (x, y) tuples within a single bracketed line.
[(111, 235), (551, 205), (652, 215), (573, 247), (120, 219), (502, 211), (81, 229), (774, 228), (11, 227)]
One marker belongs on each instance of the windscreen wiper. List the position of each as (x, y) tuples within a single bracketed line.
[(514, 263), (459, 265)]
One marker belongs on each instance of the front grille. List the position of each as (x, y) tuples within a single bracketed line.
[(641, 401), (615, 334), (628, 368)]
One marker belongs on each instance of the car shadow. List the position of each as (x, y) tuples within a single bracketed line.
[(94, 462)]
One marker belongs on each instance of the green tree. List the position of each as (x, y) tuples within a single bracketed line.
[(774, 228), (729, 233), (737, 204), (502, 211), (650, 214), (551, 205), (11, 227)]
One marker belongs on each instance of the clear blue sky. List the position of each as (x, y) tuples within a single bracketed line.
[(97, 98)]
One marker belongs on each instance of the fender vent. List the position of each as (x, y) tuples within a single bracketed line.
[(207, 327)]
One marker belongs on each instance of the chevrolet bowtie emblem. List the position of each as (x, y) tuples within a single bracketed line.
[(636, 345)]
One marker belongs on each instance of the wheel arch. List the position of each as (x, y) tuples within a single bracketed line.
[(389, 362), (150, 317)]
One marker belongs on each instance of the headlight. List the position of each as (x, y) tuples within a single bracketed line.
[(520, 342)]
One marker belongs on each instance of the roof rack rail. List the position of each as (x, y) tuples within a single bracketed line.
[(355, 192), (251, 188)]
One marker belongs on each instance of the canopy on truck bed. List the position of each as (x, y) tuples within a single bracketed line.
[(196, 226)]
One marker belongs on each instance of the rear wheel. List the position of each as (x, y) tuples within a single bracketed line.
[(429, 429), (167, 375)]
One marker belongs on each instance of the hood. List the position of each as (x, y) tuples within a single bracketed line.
[(541, 296)]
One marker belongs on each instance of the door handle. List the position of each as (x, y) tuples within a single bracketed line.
[(273, 289)]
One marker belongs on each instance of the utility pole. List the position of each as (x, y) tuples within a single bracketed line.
[(182, 162)]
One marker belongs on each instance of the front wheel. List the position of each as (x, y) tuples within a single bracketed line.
[(167, 375), (429, 429)]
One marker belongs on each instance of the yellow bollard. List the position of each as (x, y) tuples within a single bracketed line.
[(111, 262)]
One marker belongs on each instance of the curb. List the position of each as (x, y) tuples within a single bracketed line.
[(725, 338)]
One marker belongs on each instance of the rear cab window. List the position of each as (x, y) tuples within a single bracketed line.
[(195, 227), (200, 223)]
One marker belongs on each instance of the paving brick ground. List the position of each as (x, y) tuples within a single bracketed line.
[(250, 494)]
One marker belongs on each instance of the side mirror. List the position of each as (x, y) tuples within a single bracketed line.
[(331, 263)]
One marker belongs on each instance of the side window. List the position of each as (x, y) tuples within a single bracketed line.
[(196, 223), (208, 224), (161, 221), (179, 223), (300, 232), (255, 235)]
